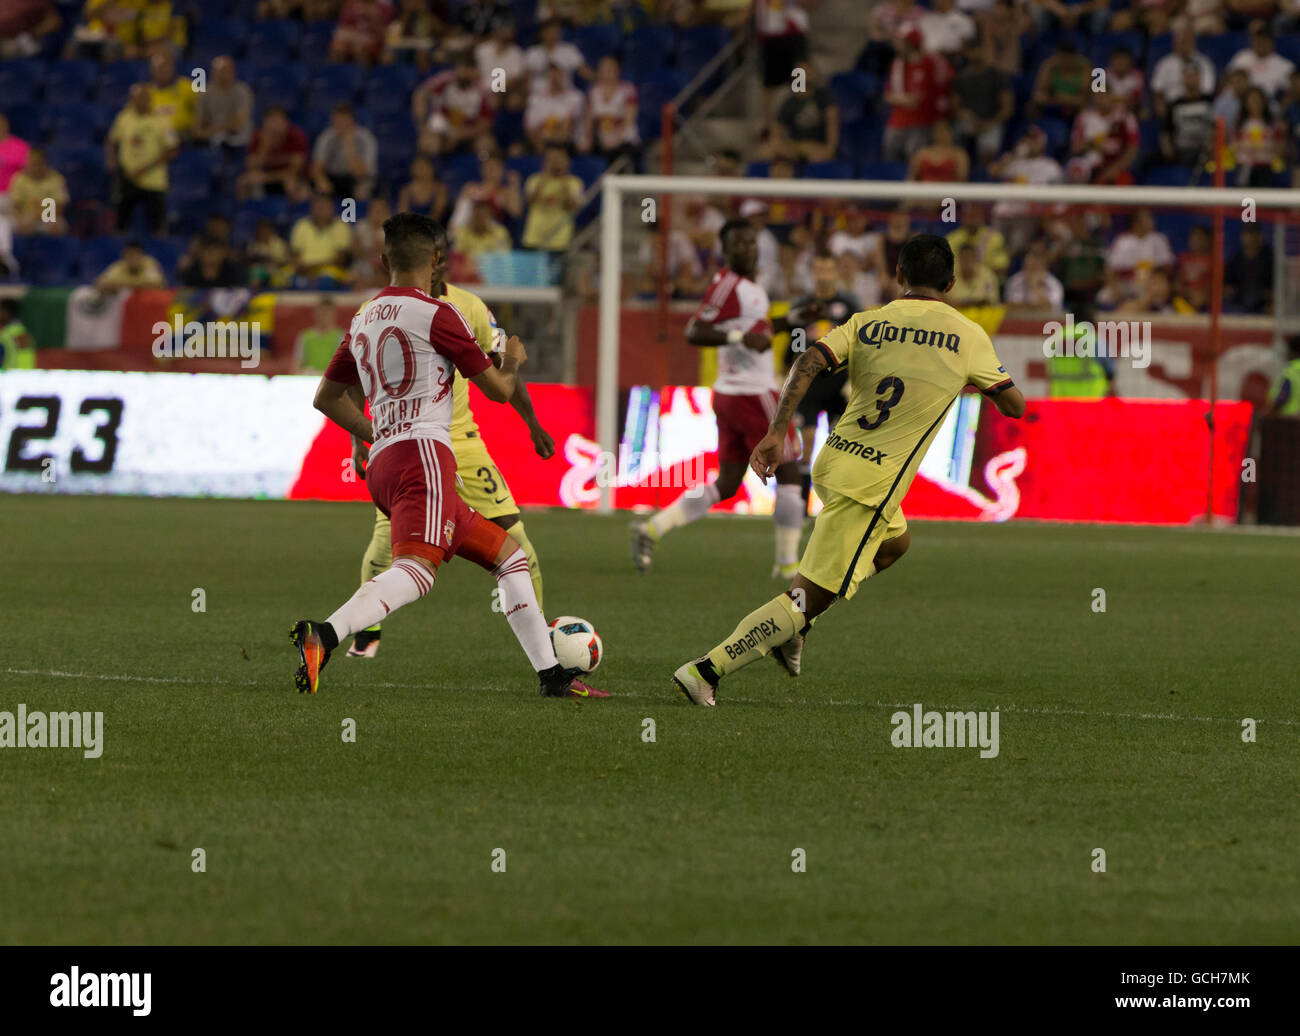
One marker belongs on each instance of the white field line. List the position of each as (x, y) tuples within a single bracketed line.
[(1028, 710)]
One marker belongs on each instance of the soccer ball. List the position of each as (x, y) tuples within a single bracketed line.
[(577, 644)]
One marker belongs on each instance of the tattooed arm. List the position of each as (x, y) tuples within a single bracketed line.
[(766, 457)]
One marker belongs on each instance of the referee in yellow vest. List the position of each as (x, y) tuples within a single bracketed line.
[(17, 348)]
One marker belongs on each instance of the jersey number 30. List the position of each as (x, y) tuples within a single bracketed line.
[(894, 386)]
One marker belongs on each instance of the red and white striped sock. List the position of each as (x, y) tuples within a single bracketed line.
[(519, 602), (405, 582)]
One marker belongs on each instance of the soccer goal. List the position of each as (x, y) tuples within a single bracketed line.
[(1143, 297)]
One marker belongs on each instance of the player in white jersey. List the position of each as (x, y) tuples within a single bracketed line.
[(733, 319), (405, 348)]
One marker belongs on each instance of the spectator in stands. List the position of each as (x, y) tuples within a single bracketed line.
[(320, 246), (268, 257), (974, 283), (756, 211), (982, 103), (276, 160), (368, 247), (31, 192), (424, 193), (496, 185), (610, 129), (213, 267), (480, 233), (111, 29), (554, 114), (1034, 287), (216, 230), (140, 143), (1195, 269), (1290, 105), (1153, 17), (866, 245), (303, 10), (1268, 69), (1258, 144), (917, 93), (1125, 79), (1168, 77), (784, 215), (315, 346), (862, 283), (1029, 163), (1133, 256), (1104, 142), (807, 124), (886, 21), (346, 156), (362, 28), (224, 114), (781, 27), (1063, 84), (552, 195), (989, 244), (453, 111), (1232, 98), (701, 222), (14, 154), (685, 274), (501, 67), (946, 30), (1002, 27), (24, 26), (415, 30), (1154, 295), (171, 95), (135, 269), (551, 49), (898, 230), (1188, 133), (940, 161), (1077, 250), (1204, 17), (1243, 14), (17, 346), (476, 21)]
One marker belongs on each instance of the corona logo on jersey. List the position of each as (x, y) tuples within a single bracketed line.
[(878, 332)]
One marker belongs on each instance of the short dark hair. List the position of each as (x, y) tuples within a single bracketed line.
[(732, 225), (410, 239), (926, 261)]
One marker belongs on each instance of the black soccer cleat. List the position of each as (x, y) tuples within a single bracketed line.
[(555, 682)]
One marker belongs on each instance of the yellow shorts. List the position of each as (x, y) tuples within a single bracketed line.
[(844, 542), (479, 482)]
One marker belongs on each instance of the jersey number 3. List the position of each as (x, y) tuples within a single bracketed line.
[(894, 386)]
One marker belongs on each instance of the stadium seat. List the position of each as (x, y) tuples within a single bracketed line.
[(24, 120), (525, 165), (314, 45), (853, 92), (167, 250), (828, 171), (1167, 176), (20, 81), (1289, 47), (116, 78), (274, 40), (228, 33), (697, 46), (331, 84), (758, 169), (1149, 136), (72, 80), (595, 41), (95, 255), (45, 261), (1058, 135), (1157, 48), (860, 141), (1103, 44), (882, 171), (646, 50), (1220, 49), (281, 85), (388, 88), (588, 168)]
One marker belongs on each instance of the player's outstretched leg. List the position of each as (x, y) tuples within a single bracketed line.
[(377, 558), (787, 515), (408, 580)]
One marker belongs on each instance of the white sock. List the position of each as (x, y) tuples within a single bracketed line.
[(405, 582), (690, 506), (519, 601), (788, 513)]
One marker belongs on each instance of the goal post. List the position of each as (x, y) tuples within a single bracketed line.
[(1224, 202)]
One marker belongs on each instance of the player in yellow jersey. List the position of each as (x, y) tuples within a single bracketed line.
[(479, 482), (907, 362)]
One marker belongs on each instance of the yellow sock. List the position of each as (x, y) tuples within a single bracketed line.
[(534, 568), (379, 554), (758, 633)]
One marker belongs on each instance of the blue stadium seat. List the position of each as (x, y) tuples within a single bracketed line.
[(388, 88), (525, 165), (95, 255), (1289, 47), (853, 92), (588, 168), (274, 41), (275, 208), (1149, 136), (758, 169), (1177, 226), (1106, 42), (647, 49), (228, 33), (330, 84), (192, 174), (882, 171), (595, 41), (45, 261), (314, 45), (24, 120), (20, 81), (508, 126), (116, 78), (1220, 49), (281, 85), (1158, 47), (1058, 135), (70, 80), (828, 171), (167, 250), (697, 46), (311, 121), (860, 141)]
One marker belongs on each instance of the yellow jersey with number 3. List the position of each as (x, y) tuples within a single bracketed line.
[(907, 361)]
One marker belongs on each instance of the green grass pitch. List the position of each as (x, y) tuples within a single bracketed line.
[(1118, 730)]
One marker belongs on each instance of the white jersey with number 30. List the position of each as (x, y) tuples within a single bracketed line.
[(404, 349)]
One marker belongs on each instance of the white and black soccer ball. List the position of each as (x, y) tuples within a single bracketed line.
[(577, 644)]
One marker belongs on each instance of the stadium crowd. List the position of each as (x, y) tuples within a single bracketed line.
[(317, 117)]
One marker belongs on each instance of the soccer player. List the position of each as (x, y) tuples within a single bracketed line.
[(826, 392), (405, 349), (733, 319), (907, 362), (480, 483)]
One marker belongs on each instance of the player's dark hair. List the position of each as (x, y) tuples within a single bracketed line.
[(926, 261), (731, 226), (410, 239)]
